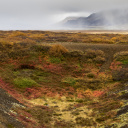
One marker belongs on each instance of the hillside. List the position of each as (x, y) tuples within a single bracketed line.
[(112, 19), (46, 84)]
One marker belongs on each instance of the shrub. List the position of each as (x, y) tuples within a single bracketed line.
[(10, 126), (75, 53), (103, 77), (100, 53), (91, 75), (41, 48), (125, 61), (55, 60), (90, 53), (105, 116), (88, 83), (57, 50), (122, 56), (24, 82), (99, 59), (69, 80), (115, 65), (63, 124), (18, 34), (85, 121), (120, 75), (41, 116)]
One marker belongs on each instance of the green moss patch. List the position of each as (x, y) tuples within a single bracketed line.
[(24, 82)]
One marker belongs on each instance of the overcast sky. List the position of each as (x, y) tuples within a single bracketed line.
[(39, 14)]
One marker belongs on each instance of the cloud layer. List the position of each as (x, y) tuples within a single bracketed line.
[(38, 14)]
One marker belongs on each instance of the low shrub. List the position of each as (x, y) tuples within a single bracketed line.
[(64, 124), (15, 54), (88, 83), (85, 121), (42, 114), (57, 50), (41, 48), (75, 53), (55, 60), (99, 59), (100, 53), (105, 116), (69, 80), (122, 56), (97, 56), (24, 82), (125, 61), (18, 34), (120, 75), (90, 53), (91, 75)]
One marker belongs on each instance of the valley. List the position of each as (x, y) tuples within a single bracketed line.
[(63, 79)]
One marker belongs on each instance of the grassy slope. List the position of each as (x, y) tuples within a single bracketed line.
[(62, 88)]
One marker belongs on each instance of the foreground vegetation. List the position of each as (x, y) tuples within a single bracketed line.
[(61, 88)]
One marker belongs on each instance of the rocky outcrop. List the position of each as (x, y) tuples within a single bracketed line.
[(6, 103)]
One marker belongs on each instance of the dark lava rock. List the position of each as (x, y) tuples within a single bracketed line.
[(6, 103)]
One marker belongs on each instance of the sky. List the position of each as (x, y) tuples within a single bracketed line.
[(41, 14)]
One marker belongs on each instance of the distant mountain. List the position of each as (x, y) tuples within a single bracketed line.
[(112, 19)]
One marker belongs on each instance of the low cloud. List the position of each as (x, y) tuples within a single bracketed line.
[(37, 14)]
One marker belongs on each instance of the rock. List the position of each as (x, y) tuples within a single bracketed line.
[(6, 103)]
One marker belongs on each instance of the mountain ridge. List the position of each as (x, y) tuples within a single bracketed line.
[(112, 19)]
